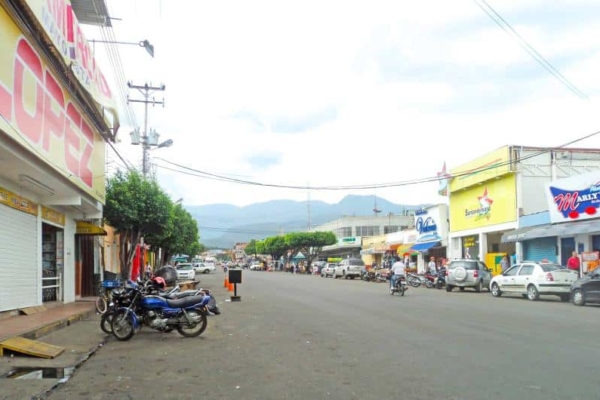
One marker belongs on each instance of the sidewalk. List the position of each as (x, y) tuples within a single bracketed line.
[(39, 324)]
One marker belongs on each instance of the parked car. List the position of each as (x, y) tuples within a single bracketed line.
[(465, 273), (349, 268), (586, 289), (185, 271), (532, 279), (328, 270), (203, 268)]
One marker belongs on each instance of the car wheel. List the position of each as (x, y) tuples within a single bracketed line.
[(578, 297), (448, 288), (478, 287), (496, 292), (532, 293), (323, 276), (206, 271)]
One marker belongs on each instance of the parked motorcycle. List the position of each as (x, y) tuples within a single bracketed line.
[(186, 315), (399, 286)]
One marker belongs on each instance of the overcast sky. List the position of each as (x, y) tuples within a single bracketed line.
[(330, 93)]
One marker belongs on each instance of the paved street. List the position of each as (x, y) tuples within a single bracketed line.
[(305, 337)]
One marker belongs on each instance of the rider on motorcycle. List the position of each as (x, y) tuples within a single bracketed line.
[(399, 271)]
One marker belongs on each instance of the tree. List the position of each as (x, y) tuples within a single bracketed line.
[(251, 248), (180, 237), (275, 246), (134, 207), (315, 241), (294, 242), (260, 247)]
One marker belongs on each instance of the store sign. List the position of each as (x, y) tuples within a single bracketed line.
[(42, 116), (427, 225), (494, 202), (17, 202), (470, 241), (349, 241), (60, 23), (574, 198), (50, 215)]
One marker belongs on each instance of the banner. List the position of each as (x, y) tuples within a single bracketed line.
[(60, 23), (42, 116), (575, 198)]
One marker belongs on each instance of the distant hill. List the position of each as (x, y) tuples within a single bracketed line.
[(223, 225)]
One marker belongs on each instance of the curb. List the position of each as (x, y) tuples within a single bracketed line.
[(44, 330)]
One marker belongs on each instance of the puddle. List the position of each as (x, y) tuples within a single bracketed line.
[(39, 373)]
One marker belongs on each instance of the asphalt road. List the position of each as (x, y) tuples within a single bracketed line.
[(305, 337)]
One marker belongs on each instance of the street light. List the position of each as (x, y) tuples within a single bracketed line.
[(148, 142), (142, 43)]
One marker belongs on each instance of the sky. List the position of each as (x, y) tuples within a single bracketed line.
[(337, 93)]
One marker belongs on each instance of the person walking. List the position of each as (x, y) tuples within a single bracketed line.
[(504, 264)]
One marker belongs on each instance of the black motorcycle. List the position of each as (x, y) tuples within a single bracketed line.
[(441, 278), (399, 286)]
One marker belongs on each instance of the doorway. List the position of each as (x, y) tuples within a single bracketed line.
[(52, 262), (567, 247)]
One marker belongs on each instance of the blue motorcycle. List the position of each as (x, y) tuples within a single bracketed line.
[(187, 315)]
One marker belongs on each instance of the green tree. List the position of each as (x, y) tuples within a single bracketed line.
[(135, 207), (181, 235), (251, 248), (275, 246), (315, 241), (260, 247), (294, 242)]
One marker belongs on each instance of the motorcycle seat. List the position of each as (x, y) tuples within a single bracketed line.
[(180, 295), (185, 301)]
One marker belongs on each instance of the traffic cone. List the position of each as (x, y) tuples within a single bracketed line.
[(226, 283), (231, 287)]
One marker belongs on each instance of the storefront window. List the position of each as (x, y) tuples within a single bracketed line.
[(470, 245)]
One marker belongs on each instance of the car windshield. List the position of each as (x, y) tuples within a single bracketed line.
[(356, 262), (184, 266), (550, 267), (465, 264)]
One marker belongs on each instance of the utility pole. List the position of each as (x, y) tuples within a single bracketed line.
[(146, 91)]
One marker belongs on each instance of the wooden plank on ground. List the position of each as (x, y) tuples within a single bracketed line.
[(30, 347), (32, 310)]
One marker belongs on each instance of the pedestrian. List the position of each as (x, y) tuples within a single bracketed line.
[(431, 266), (504, 264), (573, 263)]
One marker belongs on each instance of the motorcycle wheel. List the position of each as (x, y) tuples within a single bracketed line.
[(122, 325), (413, 282), (428, 284), (402, 289), (106, 322), (101, 305), (438, 285), (392, 291), (186, 331)]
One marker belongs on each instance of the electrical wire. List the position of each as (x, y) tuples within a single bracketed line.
[(506, 27), (217, 177)]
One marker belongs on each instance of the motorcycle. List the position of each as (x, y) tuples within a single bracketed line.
[(400, 286), (440, 282), (187, 315)]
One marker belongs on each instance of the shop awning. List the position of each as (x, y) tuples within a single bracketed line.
[(423, 247), (85, 228), (404, 248), (550, 230)]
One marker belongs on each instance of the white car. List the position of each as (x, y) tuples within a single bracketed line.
[(185, 271), (531, 279), (349, 268), (204, 268), (328, 270)]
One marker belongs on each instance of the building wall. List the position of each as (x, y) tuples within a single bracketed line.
[(381, 221)]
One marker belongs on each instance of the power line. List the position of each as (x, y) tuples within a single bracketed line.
[(211, 176), (506, 27)]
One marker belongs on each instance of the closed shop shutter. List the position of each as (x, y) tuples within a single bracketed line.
[(19, 275), (539, 249)]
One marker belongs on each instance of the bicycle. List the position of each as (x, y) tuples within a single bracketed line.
[(105, 297)]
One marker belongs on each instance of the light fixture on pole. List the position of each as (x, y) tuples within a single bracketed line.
[(142, 43), (148, 142)]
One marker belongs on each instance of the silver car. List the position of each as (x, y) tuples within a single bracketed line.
[(467, 273)]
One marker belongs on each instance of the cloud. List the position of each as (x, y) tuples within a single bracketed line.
[(336, 93)]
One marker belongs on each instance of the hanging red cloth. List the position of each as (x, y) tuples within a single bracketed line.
[(135, 266)]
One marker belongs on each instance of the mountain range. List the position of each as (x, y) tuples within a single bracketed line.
[(223, 225)]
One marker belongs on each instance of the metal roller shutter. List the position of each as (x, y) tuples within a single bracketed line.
[(539, 249), (20, 281)]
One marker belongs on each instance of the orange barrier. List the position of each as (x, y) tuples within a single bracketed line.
[(226, 283), (231, 287)]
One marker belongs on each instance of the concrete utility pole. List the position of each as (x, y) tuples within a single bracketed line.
[(146, 91)]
